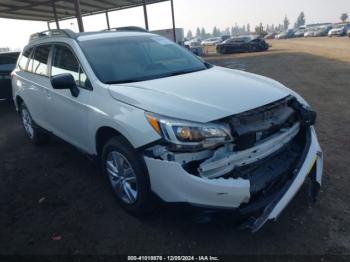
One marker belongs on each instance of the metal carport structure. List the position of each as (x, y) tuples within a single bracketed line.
[(58, 10)]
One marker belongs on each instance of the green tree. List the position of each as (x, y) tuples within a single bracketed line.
[(189, 35), (215, 31), (286, 23), (344, 17), (259, 30), (198, 32), (300, 20), (203, 33)]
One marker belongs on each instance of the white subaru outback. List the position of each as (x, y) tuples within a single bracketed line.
[(163, 122)]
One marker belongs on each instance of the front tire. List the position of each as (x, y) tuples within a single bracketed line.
[(35, 134), (127, 175)]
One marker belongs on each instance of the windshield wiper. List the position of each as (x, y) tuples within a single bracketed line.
[(127, 81), (134, 80), (183, 72)]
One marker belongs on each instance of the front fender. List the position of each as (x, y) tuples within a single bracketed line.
[(129, 121)]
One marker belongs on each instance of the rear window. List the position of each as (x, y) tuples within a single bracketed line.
[(38, 63), (24, 59), (8, 59)]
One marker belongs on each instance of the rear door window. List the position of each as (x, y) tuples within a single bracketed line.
[(38, 63), (23, 62)]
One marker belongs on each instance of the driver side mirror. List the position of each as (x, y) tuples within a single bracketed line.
[(65, 81)]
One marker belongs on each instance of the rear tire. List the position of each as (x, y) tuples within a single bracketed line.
[(128, 177), (35, 134)]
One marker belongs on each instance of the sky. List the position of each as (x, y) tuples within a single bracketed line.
[(190, 14)]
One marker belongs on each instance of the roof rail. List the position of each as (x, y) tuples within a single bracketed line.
[(52, 33), (127, 29)]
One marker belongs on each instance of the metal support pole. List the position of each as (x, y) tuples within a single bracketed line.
[(55, 14), (107, 19), (78, 15), (48, 25), (145, 14), (173, 16)]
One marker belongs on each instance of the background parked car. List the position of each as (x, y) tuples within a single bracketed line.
[(300, 33), (212, 41), (242, 44), (225, 37), (7, 64), (348, 33), (285, 34), (310, 32), (323, 31), (195, 46), (339, 30), (270, 36)]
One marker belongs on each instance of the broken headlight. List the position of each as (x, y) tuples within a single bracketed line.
[(185, 134)]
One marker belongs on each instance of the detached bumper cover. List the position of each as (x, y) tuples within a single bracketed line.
[(173, 184)]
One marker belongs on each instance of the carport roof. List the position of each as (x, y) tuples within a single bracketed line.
[(42, 10)]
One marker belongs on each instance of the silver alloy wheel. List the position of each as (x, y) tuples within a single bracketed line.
[(122, 177), (27, 123)]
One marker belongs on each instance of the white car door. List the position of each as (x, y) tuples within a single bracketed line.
[(68, 115), (34, 80)]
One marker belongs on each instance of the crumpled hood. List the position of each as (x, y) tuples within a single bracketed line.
[(202, 96)]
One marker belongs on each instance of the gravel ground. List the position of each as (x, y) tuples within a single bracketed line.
[(53, 201)]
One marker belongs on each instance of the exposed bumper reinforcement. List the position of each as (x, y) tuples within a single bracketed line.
[(310, 165)]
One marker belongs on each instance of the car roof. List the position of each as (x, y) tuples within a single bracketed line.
[(101, 35), (66, 34)]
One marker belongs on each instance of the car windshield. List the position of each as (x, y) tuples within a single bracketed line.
[(117, 60)]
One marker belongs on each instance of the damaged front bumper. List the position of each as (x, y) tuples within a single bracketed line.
[(172, 183)]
